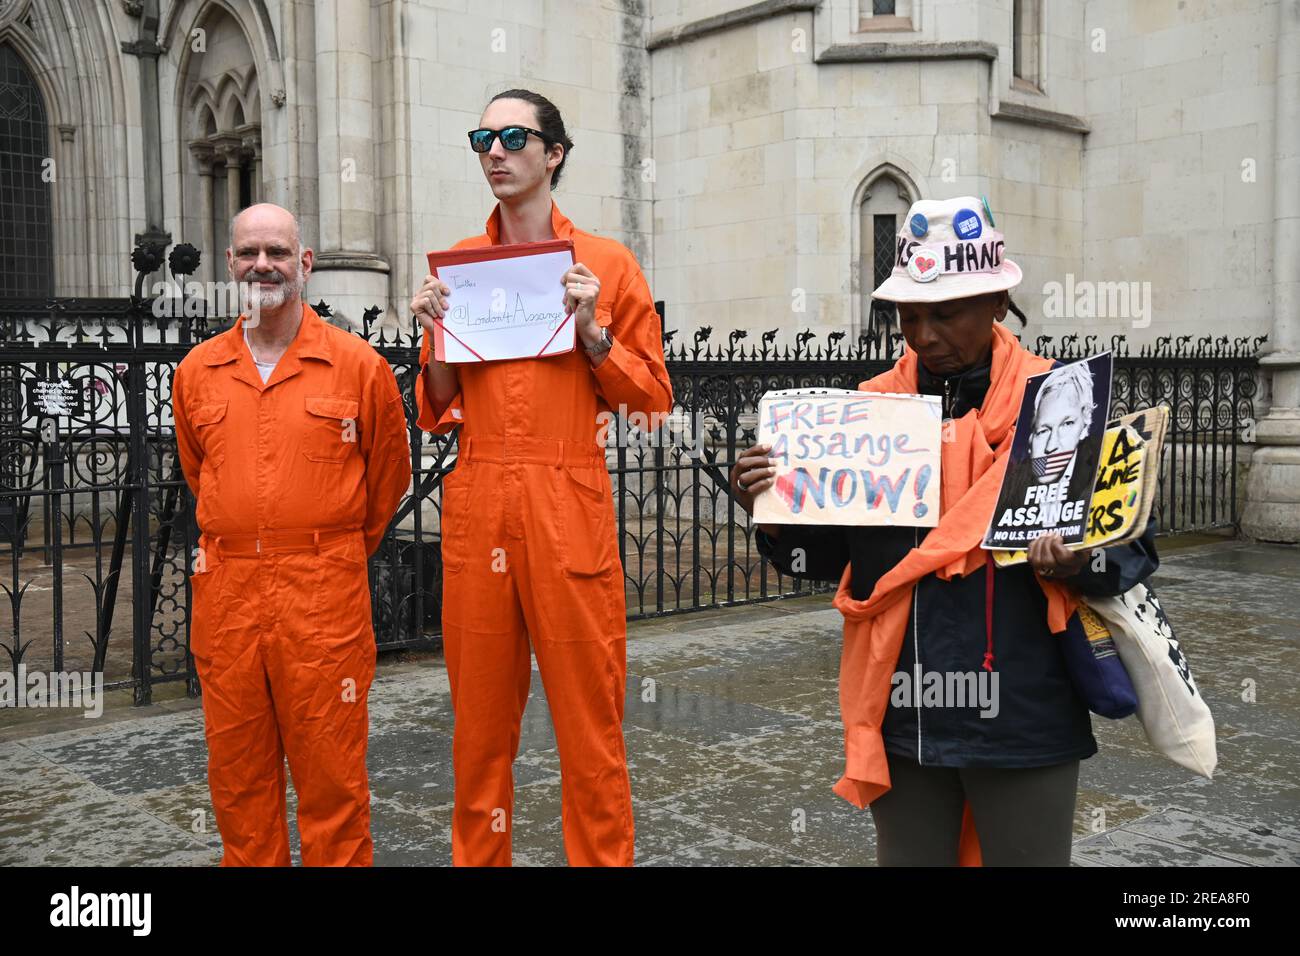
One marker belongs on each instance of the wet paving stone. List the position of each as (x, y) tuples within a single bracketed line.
[(661, 766), (130, 757), (404, 838), (1123, 847), (703, 718), (1222, 838), (727, 851), (803, 819)]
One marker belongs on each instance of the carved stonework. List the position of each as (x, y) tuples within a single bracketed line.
[(251, 137), (133, 8), (229, 147), (11, 11), (278, 97), (204, 156)]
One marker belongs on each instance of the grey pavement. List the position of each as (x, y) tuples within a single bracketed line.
[(733, 742)]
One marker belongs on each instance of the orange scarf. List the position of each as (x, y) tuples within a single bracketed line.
[(974, 458)]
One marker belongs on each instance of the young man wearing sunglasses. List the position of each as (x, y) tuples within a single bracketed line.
[(529, 543)]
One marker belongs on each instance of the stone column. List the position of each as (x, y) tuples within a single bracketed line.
[(251, 138), (1272, 511), (146, 47), (206, 240), (349, 273), (69, 216), (258, 189), (231, 150)]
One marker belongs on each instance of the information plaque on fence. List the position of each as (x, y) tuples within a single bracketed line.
[(54, 397), (850, 458)]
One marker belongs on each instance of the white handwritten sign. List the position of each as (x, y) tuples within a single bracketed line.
[(851, 458), (506, 302)]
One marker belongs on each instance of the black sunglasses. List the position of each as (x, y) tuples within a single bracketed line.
[(513, 138)]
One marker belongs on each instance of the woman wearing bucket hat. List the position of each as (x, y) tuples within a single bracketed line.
[(990, 776)]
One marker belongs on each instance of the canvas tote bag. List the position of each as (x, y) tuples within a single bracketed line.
[(1173, 713)]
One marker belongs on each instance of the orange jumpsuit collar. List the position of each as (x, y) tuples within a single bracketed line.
[(310, 342), (561, 227)]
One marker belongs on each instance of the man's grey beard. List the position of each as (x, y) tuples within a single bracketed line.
[(255, 298)]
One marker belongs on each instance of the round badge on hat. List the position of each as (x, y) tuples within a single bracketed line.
[(919, 225), (924, 266), (967, 224)]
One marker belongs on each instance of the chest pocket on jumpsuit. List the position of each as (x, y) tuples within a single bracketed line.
[(208, 421), (331, 431)]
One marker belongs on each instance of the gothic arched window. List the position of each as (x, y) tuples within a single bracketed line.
[(883, 206), (26, 174)]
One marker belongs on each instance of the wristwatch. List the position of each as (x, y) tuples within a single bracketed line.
[(604, 345)]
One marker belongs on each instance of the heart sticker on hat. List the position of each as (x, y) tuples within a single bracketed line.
[(924, 265)]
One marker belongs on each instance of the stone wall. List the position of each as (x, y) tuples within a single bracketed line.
[(1178, 183)]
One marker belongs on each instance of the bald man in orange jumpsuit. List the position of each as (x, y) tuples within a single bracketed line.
[(292, 437), (529, 543)]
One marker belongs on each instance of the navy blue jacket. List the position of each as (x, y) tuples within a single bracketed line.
[(1039, 718)]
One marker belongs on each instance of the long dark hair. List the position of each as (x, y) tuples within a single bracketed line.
[(549, 122)]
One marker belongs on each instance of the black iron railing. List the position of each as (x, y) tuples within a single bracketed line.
[(97, 528)]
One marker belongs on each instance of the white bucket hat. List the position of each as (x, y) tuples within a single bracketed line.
[(948, 249)]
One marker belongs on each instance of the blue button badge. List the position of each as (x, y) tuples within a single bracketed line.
[(920, 225), (967, 224)]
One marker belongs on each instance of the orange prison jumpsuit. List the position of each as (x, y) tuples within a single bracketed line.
[(295, 480), (530, 550)]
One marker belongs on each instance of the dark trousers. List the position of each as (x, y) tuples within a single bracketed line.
[(1024, 816)]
